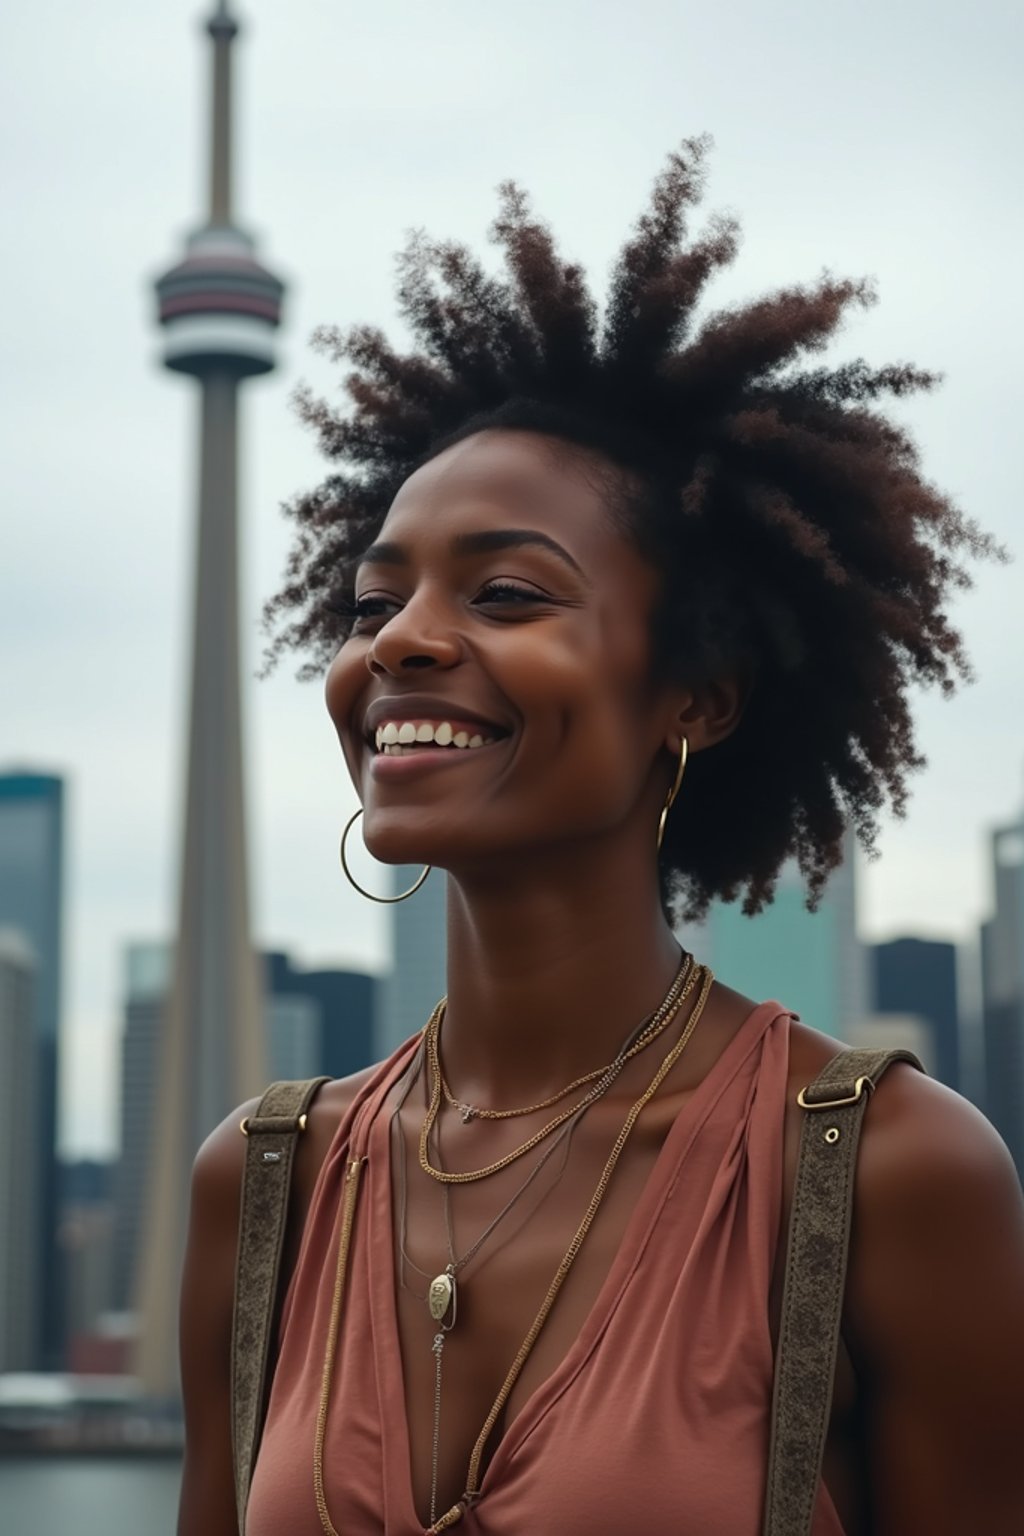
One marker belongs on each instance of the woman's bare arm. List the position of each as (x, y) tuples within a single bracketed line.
[(207, 1506), (935, 1303)]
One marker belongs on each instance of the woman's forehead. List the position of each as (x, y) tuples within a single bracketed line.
[(501, 476)]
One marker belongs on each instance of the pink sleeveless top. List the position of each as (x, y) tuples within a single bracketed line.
[(657, 1419)]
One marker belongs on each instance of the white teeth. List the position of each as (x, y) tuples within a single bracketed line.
[(395, 738)]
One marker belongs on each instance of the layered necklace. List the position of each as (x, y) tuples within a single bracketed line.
[(442, 1296), (602, 1079)]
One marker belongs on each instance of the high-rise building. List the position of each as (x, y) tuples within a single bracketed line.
[(812, 962), (145, 981), (219, 309), (20, 1209), (409, 991), (293, 1036), (342, 1003), (1002, 979), (918, 976), (31, 901), (87, 1240)]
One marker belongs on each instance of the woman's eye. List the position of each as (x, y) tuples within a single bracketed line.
[(371, 607), (508, 592)]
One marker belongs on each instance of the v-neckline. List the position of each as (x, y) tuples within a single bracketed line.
[(400, 1513)]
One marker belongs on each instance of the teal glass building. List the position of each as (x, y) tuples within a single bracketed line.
[(811, 962), (31, 903)]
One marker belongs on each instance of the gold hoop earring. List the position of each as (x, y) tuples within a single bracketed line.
[(684, 752), (388, 901)]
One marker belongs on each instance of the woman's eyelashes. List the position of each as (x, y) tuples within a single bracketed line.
[(509, 592), (371, 607)]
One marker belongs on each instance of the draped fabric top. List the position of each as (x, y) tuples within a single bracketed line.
[(657, 1418)]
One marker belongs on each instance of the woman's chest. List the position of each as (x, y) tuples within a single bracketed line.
[(523, 1270)]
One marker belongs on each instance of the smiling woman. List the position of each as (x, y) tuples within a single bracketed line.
[(617, 616)]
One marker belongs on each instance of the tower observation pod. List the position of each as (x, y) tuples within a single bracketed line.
[(219, 307), (219, 310)]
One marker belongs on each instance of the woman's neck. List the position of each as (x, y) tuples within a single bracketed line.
[(547, 976)]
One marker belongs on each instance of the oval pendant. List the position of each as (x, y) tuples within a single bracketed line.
[(440, 1296)]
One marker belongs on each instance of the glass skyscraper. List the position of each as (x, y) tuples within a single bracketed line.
[(812, 962), (31, 903), (918, 976)]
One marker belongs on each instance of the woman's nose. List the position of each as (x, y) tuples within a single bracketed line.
[(416, 637)]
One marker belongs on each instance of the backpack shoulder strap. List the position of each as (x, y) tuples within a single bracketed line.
[(812, 1296), (269, 1154)]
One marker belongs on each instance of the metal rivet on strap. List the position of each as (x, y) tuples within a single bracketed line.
[(832, 1135)]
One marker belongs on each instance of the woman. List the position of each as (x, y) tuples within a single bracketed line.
[(560, 563)]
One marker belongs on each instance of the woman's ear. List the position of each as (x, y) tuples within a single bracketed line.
[(708, 712)]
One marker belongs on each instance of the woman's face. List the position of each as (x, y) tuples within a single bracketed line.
[(504, 624)]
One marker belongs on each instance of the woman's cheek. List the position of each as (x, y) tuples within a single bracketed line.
[(345, 678)]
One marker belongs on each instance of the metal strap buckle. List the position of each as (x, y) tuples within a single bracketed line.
[(243, 1125), (852, 1098)]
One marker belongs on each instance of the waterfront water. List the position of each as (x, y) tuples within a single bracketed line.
[(89, 1496)]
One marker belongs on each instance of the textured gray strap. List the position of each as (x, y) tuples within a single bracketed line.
[(812, 1296), (269, 1155)]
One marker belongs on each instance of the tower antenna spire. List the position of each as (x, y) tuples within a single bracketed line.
[(223, 28)]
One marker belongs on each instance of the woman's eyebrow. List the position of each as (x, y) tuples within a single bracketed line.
[(487, 539), (387, 552), (383, 553)]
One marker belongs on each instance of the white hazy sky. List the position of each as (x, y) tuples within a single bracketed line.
[(880, 137)]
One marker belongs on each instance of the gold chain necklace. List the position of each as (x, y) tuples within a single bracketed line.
[(351, 1192), (475, 1112), (678, 992), (456, 1263)]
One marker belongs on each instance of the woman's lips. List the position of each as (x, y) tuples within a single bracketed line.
[(426, 758)]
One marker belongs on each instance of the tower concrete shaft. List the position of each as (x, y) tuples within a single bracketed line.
[(219, 309)]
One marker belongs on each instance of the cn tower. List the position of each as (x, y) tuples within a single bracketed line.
[(219, 309)]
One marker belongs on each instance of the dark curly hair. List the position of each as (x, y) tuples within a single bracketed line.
[(795, 532)]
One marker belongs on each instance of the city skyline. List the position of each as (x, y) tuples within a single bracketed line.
[(357, 137)]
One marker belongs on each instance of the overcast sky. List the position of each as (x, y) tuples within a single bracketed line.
[(880, 137)]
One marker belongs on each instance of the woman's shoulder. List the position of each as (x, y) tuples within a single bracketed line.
[(918, 1136), (915, 1128), (220, 1161), (327, 1112), (938, 1212), (934, 1308)]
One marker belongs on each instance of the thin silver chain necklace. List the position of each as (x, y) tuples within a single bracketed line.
[(441, 1298)]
